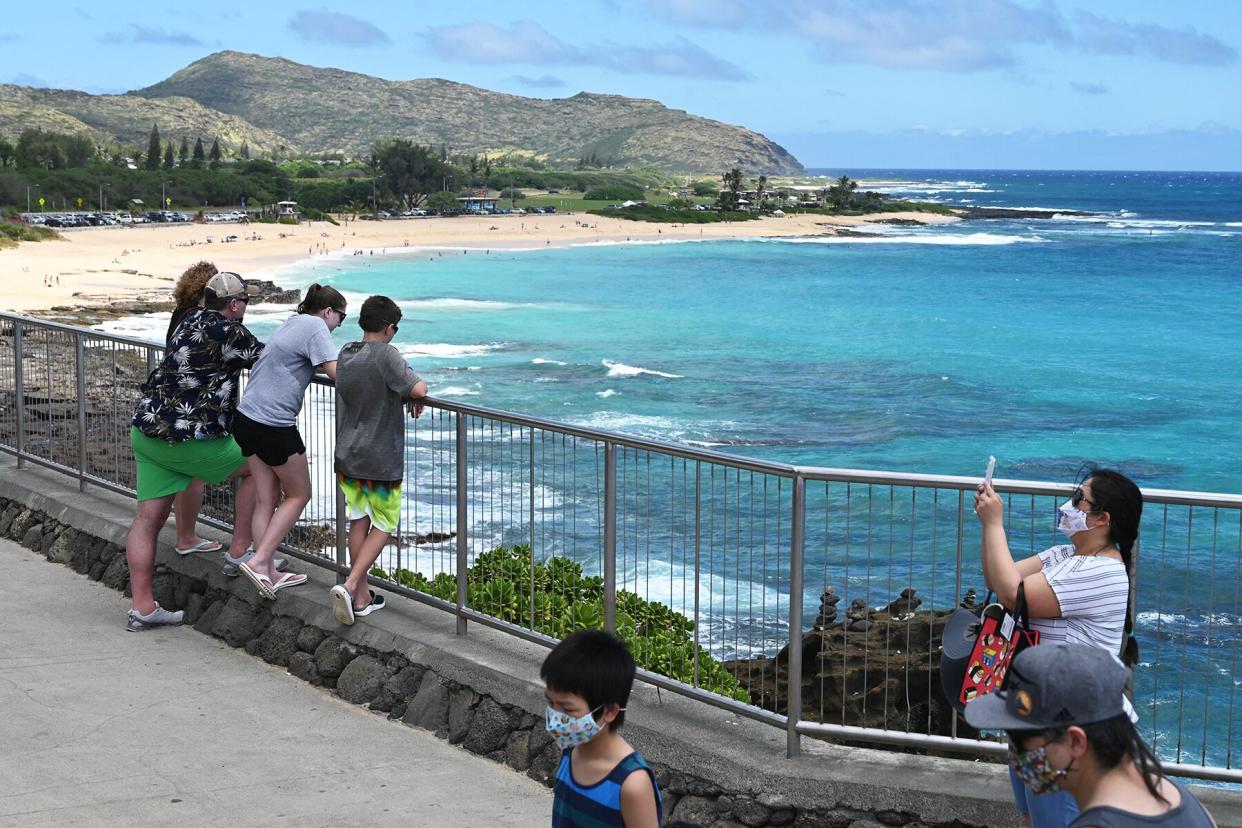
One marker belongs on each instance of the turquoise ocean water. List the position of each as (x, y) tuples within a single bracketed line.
[(1045, 342)]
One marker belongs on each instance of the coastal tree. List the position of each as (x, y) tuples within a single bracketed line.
[(731, 194), (8, 153), (183, 154), (408, 171), (214, 155), (761, 189), (52, 150), (154, 148), (841, 193), (199, 155), (169, 160), (244, 152), (442, 202)]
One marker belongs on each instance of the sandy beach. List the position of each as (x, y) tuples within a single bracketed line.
[(124, 265)]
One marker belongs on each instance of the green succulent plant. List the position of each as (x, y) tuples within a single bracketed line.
[(566, 599)]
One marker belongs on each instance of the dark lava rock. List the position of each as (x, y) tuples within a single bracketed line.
[(429, 708), (489, 729), (280, 640), (361, 680)]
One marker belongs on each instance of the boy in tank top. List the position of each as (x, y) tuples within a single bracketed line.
[(601, 779)]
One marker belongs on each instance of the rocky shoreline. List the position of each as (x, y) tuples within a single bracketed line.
[(871, 668), (91, 312)]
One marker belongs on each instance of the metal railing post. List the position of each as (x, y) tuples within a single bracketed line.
[(19, 380), (797, 533), (80, 365), (462, 523), (342, 523), (610, 536)]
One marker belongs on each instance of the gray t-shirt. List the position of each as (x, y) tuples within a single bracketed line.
[(278, 381), (373, 383), (1189, 813)]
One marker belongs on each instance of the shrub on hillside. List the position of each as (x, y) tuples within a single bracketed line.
[(614, 192)]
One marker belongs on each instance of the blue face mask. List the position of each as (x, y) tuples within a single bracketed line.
[(569, 731)]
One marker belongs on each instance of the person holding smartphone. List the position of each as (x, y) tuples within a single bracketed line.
[(1076, 593)]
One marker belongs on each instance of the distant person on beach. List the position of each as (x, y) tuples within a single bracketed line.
[(1070, 735), (182, 431), (188, 295), (374, 388), (266, 428), (1077, 593), (601, 780)]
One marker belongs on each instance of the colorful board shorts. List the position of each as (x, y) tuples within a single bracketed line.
[(380, 500), (166, 468)]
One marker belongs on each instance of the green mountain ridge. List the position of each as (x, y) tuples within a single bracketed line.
[(127, 119), (275, 104)]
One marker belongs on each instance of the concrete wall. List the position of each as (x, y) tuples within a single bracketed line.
[(482, 690)]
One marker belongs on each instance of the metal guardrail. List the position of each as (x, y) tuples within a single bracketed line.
[(741, 548)]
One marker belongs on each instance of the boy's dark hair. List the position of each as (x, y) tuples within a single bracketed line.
[(595, 665), (377, 313)]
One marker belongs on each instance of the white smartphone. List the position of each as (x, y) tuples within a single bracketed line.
[(987, 475)]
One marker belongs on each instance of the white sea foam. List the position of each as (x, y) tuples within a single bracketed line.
[(606, 393), (914, 238), (457, 391), (448, 303), (620, 369), (542, 361), (448, 350)]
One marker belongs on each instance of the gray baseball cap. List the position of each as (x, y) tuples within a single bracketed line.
[(1051, 686), (227, 285)]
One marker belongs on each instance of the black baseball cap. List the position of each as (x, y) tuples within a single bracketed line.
[(1052, 686)]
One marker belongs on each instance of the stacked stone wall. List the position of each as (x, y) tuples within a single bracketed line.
[(390, 684)]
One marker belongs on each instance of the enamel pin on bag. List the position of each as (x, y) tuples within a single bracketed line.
[(977, 649)]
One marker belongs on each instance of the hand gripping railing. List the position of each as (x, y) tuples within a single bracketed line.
[(712, 563)]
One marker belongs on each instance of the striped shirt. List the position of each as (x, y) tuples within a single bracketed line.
[(598, 805), (1092, 592)]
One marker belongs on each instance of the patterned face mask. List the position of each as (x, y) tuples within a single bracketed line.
[(568, 731), (1036, 771), (1071, 520)]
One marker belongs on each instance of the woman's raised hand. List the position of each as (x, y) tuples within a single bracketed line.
[(988, 505)]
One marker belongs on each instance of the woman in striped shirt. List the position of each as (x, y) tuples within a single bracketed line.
[(1077, 593)]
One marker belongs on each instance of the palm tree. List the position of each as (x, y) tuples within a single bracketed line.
[(761, 189)]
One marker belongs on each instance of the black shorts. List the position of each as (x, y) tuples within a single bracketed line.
[(274, 445)]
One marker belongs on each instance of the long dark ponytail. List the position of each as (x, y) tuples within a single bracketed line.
[(1113, 492), (319, 297), (1115, 739)]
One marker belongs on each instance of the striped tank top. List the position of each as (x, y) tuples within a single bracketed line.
[(598, 805)]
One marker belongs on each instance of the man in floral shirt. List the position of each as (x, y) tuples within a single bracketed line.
[(181, 430)]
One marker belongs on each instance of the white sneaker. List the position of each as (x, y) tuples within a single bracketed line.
[(158, 617)]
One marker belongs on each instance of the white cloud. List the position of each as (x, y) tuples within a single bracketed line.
[(527, 42)]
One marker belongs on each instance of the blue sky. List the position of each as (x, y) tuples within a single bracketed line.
[(1097, 84)]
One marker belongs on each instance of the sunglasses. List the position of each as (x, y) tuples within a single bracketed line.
[(340, 313), (1079, 496), (394, 327)]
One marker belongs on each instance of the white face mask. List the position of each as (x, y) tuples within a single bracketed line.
[(1072, 520)]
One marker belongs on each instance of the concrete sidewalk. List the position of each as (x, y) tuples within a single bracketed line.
[(99, 726)]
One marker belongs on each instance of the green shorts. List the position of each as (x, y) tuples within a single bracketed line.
[(166, 468), (379, 500)]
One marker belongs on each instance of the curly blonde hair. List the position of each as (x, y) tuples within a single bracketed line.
[(190, 286)]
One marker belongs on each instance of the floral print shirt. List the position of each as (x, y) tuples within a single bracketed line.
[(192, 394)]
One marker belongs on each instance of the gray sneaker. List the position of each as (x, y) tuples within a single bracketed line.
[(232, 568), (159, 617)]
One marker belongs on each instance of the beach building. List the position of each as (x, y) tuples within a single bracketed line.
[(477, 204), (287, 208)]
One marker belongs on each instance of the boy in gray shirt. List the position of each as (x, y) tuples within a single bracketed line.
[(373, 386)]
